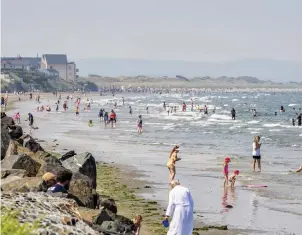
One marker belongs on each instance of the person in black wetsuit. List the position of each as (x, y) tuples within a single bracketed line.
[(299, 119), (233, 113)]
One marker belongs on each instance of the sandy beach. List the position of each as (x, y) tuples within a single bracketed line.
[(137, 168)]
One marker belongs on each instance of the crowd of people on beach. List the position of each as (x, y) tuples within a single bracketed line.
[(180, 206)]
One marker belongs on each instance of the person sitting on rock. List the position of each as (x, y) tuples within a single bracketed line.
[(63, 181), (48, 180)]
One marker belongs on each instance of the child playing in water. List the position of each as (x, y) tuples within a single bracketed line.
[(232, 178), (226, 170), (90, 124), (137, 224)]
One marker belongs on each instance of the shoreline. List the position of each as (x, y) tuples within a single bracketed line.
[(67, 142)]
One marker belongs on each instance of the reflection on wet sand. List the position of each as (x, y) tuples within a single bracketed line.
[(228, 199)]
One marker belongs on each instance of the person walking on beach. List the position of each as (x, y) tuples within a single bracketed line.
[(171, 162), (180, 208), (233, 114), (130, 110), (101, 114), (225, 171), (31, 121), (256, 153), (139, 124)]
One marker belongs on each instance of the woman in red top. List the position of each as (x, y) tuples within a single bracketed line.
[(112, 117)]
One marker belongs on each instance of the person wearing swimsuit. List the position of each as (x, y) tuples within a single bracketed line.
[(171, 162), (226, 171)]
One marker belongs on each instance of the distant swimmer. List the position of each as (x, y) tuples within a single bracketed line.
[(184, 107), (276, 113), (164, 105), (254, 112), (101, 114), (123, 100), (77, 111), (282, 109), (205, 109), (130, 110), (115, 104), (57, 108), (214, 110), (192, 105), (147, 109), (139, 124), (293, 121), (233, 114), (171, 162), (65, 106)]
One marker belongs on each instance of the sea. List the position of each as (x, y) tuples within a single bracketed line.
[(205, 140)]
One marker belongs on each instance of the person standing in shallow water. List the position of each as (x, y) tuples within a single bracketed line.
[(233, 114), (256, 153), (171, 162)]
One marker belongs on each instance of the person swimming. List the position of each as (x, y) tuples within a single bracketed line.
[(130, 110), (173, 158), (282, 109)]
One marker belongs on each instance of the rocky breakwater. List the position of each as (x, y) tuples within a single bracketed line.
[(24, 162)]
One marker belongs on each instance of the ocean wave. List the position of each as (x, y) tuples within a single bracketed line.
[(271, 124), (291, 105), (253, 122), (235, 100), (275, 130)]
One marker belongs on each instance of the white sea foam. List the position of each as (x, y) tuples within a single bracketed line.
[(300, 134), (271, 124), (253, 122), (234, 99), (221, 117), (225, 105), (275, 130), (290, 105)]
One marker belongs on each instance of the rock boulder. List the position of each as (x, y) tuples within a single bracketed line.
[(7, 121), (67, 155), (16, 132), (22, 161), (5, 138), (109, 204), (83, 163), (30, 143), (81, 191)]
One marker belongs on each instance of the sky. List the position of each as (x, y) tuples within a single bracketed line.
[(191, 30)]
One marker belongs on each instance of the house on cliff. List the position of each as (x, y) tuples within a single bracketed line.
[(22, 63), (66, 70)]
